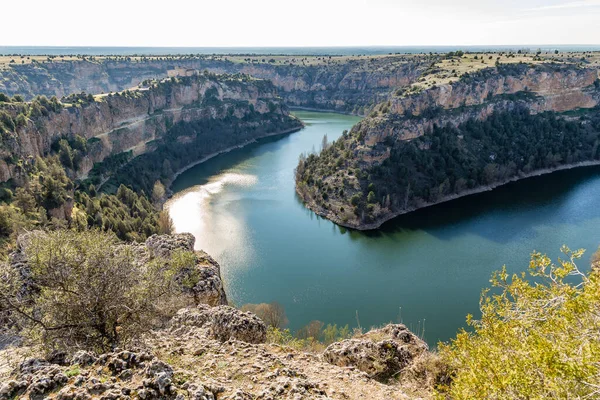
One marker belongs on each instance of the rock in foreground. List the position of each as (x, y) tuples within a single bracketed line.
[(381, 353)]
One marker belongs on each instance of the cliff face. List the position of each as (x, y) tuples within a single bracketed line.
[(541, 88), (131, 121), (351, 85), (405, 142)]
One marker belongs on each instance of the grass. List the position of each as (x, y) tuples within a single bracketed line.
[(73, 371)]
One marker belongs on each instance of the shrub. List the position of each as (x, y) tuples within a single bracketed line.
[(89, 290), (534, 339)]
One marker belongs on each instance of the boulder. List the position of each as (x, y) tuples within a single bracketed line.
[(230, 323), (164, 245), (381, 353), (221, 323), (209, 289)]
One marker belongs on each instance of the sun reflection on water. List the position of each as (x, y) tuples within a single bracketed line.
[(216, 229)]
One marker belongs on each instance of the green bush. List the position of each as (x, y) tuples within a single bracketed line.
[(536, 339), (371, 197), (90, 292)]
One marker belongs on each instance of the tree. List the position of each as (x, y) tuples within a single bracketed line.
[(158, 192), (324, 143), (89, 290), (312, 330), (535, 340), (6, 224), (65, 154), (272, 314), (165, 223), (25, 201), (371, 197)]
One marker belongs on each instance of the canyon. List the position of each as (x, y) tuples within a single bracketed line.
[(349, 85), (429, 135)]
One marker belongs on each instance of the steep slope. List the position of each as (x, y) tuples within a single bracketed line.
[(134, 121), (492, 126)]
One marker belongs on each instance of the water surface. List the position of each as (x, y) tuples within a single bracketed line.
[(427, 267)]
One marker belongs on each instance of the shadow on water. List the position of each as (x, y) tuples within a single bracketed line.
[(517, 207)]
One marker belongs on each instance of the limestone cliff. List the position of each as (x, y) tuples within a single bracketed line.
[(455, 139), (133, 120), (349, 85)]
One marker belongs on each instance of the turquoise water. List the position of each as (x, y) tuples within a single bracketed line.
[(425, 268)]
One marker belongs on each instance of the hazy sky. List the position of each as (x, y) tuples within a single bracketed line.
[(299, 23)]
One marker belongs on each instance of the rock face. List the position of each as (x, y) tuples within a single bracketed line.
[(352, 85), (556, 88), (209, 289), (132, 121), (343, 84), (381, 353)]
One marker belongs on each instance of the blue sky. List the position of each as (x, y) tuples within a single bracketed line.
[(300, 23)]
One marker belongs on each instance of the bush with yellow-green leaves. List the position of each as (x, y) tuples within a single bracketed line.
[(537, 338)]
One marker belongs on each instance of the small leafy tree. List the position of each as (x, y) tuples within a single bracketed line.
[(535, 340)]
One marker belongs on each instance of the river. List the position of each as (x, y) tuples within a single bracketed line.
[(425, 269)]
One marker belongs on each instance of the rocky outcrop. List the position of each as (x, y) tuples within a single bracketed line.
[(209, 288), (221, 323), (133, 121), (210, 353), (185, 362), (381, 353)]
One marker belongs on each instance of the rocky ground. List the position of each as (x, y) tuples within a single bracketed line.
[(218, 353), (214, 351)]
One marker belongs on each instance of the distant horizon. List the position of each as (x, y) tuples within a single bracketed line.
[(284, 50)]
